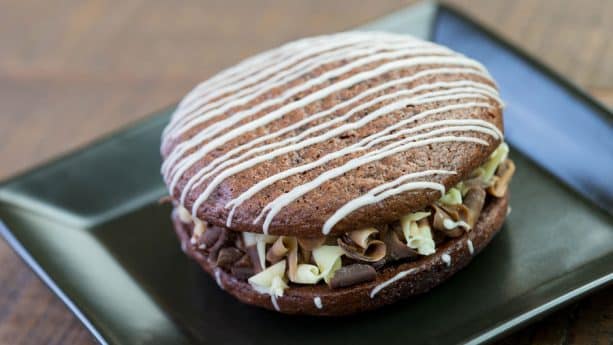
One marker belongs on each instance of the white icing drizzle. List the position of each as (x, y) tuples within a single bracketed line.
[(508, 210), (411, 58), (211, 169), (283, 200), (374, 54), (187, 161), (384, 191), (469, 244), (243, 74), (275, 304), (363, 144), (451, 224), (317, 302), (218, 278), (392, 280), (295, 72), (446, 259)]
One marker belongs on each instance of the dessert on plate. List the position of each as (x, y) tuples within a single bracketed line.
[(338, 173)]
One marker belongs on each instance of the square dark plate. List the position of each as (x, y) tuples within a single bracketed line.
[(89, 225)]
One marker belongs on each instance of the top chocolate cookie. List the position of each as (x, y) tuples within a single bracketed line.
[(330, 134)]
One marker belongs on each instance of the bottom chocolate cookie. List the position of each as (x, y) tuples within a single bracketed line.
[(391, 283)]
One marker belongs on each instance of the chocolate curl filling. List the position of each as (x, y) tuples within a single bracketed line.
[(223, 239), (228, 256), (502, 178), (285, 246), (352, 274), (474, 201), (453, 220), (210, 236), (243, 268), (308, 244), (252, 252), (271, 280), (396, 249), (417, 234), (360, 245)]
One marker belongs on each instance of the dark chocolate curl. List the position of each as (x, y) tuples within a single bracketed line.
[(252, 251), (228, 256), (474, 201), (352, 274), (439, 219), (396, 249), (243, 269), (242, 273), (224, 239)]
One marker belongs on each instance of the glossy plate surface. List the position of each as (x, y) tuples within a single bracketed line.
[(90, 226)]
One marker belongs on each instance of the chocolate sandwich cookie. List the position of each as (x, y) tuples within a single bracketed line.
[(338, 173)]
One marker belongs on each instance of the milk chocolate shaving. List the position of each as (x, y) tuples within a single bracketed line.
[(308, 244), (352, 274), (500, 181), (285, 246), (362, 237), (311, 242), (228, 256), (440, 215), (374, 250), (474, 201), (466, 213), (277, 251)]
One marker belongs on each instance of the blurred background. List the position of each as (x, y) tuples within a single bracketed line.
[(72, 71)]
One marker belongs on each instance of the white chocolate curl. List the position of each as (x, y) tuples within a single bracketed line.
[(452, 197), (490, 166), (270, 281), (417, 232), (328, 260)]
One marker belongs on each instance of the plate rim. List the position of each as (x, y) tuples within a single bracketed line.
[(500, 329)]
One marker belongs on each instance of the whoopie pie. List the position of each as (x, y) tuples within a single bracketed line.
[(338, 173)]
